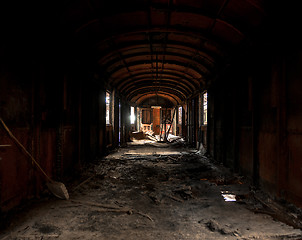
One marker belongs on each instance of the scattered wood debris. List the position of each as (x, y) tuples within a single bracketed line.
[(145, 192)]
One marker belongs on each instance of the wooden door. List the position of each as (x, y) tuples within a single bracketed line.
[(156, 121)]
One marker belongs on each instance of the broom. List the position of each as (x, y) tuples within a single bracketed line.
[(56, 188)]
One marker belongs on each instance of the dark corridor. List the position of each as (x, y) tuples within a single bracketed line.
[(77, 78)]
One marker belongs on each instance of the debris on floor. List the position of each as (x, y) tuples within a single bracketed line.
[(147, 191), (137, 136)]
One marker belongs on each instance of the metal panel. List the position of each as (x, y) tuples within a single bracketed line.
[(246, 151), (295, 168), (268, 159), (16, 171)]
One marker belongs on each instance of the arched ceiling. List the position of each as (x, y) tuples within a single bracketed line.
[(167, 48)]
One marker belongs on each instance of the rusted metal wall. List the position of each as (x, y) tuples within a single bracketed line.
[(190, 121), (19, 108), (261, 133), (109, 136), (267, 142), (244, 127), (211, 123), (43, 110), (279, 143), (16, 171), (93, 119), (292, 75), (116, 121), (184, 125)]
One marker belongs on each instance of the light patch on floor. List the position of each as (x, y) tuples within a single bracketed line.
[(228, 197)]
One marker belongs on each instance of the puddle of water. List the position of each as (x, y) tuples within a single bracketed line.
[(228, 196)]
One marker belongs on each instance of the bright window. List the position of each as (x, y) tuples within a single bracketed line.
[(205, 108), (179, 115), (132, 116), (108, 110)]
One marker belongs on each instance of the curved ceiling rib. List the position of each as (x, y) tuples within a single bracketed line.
[(153, 36), (177, 98), (188, 79), (146, 57), (142, 49), (177, 83), (144, 100), (182, 78), (148, 94), (165, 85), (184, 72), (178, 66), (167, 48)]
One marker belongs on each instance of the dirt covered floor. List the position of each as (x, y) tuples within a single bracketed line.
[(155, 191)]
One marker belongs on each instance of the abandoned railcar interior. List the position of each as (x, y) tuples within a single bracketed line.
[(150, 119)]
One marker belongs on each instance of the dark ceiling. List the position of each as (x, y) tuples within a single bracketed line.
[(167, 48)]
